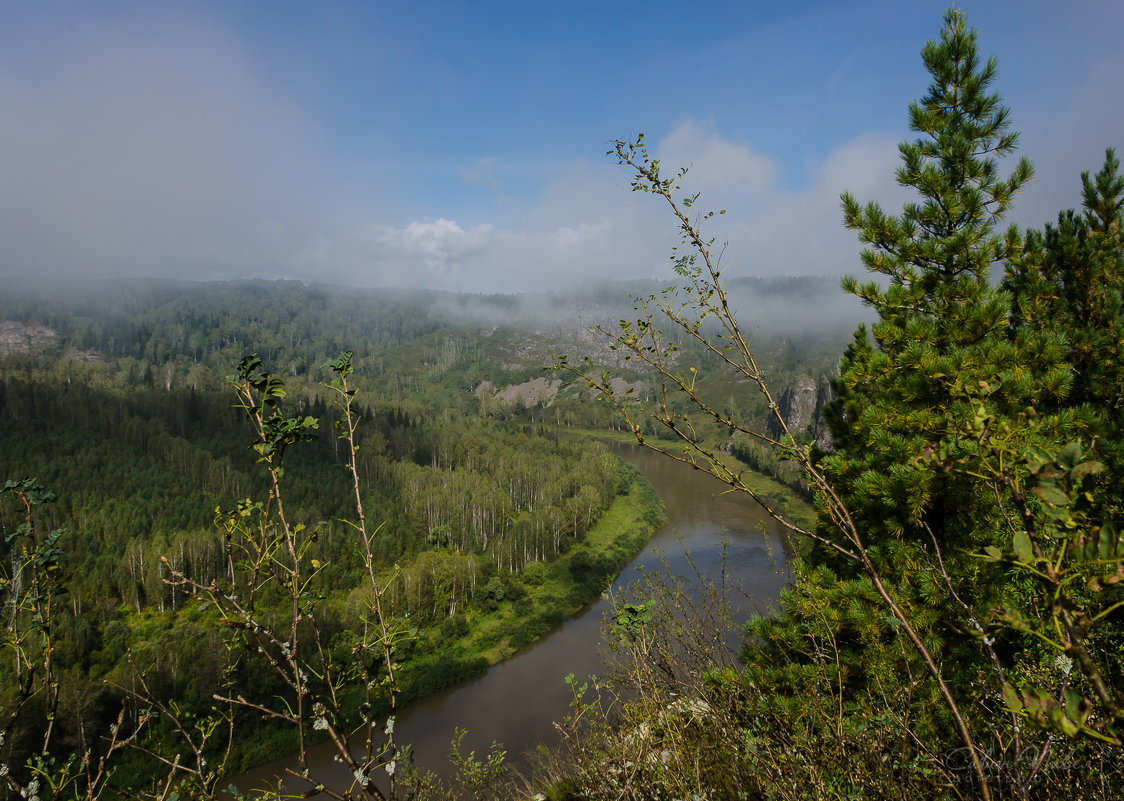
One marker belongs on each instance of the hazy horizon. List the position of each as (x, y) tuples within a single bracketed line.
[(461, 147), (778, 306)]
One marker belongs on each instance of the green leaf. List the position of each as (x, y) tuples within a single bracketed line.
[(1023, 549), (1071, 455), (1084, 469), (1108, 542), (1011, 698), (1051, 495), (1068, 727), (1037, 458)]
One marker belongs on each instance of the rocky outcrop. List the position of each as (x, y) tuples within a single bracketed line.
[(15, 337), (801, 405), (536, 392)]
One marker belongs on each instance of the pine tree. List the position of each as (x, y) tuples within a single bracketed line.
[(1069, 278), (941, 363), (942, 351), (942, 333)]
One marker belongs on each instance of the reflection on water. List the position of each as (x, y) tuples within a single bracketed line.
[(517, 701)]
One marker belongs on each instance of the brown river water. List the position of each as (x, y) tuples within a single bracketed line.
[(517, 701)]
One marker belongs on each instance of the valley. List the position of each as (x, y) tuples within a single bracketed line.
[(499, 513)]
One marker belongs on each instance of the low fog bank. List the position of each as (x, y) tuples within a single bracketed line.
[(781, 307), (789, 306)]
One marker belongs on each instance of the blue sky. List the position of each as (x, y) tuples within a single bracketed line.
[(461, 145)]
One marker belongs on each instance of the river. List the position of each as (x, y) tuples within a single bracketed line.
[(517, 701)]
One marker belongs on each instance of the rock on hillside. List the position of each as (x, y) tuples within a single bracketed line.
[(801, 405), (15, 337), (541, 392), (536, 392)]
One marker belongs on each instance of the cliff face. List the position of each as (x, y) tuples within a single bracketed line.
[(801, 405)]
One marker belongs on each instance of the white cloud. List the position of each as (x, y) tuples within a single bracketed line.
[(588, 225), (717, 167), (801, 232), (483, 258), (443, 246), (570, 238)]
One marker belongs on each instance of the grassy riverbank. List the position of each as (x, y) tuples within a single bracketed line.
[(532, 604), (545, 594)]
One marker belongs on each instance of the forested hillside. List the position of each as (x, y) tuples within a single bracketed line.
[(480, 486)]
